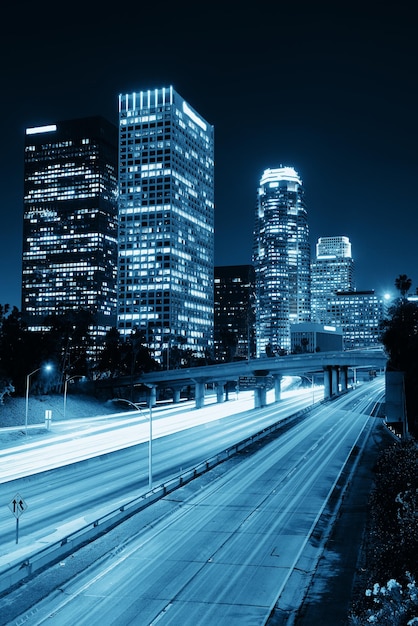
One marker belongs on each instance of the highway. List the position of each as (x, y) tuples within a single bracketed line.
[(90, 467), (227, 554)]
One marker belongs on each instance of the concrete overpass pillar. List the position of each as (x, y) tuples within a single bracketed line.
[(327, 382), (260, 397), (344, 378), (220, 391), (334, 381), (277, 387), (176, 395), (199, 394)]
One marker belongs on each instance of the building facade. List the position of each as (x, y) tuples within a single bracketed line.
[(332, 270), (234, 329), (311, 337), (359, 315), (281, 259), (166, 222), (70, 223)]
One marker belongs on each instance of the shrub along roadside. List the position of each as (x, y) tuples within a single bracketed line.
[(389, 594)]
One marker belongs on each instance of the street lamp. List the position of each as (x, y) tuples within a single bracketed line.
[(47, 368), (150, 434), (66, 381), (311, 380)]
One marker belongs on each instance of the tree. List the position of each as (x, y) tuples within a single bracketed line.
[(392, 541), (110, 358), (400, 338), (269, 350), (21, 351), (403, 284), (127, 356), (70, 340), (6, 388)]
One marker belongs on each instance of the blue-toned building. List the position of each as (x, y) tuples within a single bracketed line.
[(281, 259), (70, 223), (166, 222)]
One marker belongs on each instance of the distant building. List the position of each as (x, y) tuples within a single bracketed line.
[(166, 222), (359, 314), (281, 259), (335, 301), (70, 222), (234, 330), (311, 337), (332, 270)]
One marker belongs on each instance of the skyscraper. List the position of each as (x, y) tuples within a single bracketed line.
[(166, 222), (281, 259), (70, 222), (332, 270), (234, 312)]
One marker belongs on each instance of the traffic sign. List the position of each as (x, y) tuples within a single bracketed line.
[(18, 506)]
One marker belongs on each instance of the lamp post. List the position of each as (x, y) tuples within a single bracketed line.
[(66, 381), (150, 434), (311, 380), (47, 369)]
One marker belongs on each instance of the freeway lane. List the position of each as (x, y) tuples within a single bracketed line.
[(62, 500), (225, 555), (89, 438)]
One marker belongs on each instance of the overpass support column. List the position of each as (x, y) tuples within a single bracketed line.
[(277, 387), (220, 391), (176, 395), (334, 381), (344, 378), (260, 397), (327, 382), (199, 391)]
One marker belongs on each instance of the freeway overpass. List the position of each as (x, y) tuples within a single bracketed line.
[(264, 372)]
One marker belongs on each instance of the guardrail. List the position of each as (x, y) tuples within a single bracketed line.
[(27, 567)]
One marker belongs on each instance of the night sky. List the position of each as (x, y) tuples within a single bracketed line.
[(328, 88)]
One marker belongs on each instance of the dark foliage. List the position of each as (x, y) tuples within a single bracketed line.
[(392, 542), (400, 338), (394, 530), (125, 357)]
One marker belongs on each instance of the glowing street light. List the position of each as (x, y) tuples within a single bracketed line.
[(47, 368), (66, 381), (150, 434)]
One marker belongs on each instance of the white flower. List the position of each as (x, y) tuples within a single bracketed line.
[(393, 584)]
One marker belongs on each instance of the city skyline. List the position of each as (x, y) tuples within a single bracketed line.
[(329, 93)]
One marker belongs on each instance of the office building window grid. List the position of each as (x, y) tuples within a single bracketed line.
[(166, 222), (281, 259), (70, 222)]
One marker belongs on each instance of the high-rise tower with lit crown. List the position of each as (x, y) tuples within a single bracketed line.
[(281, 259), (332, 270), (166, 222)]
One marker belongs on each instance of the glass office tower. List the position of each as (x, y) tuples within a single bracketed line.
[(281, 259), (70, 222), (331, 271), (166, 222)]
